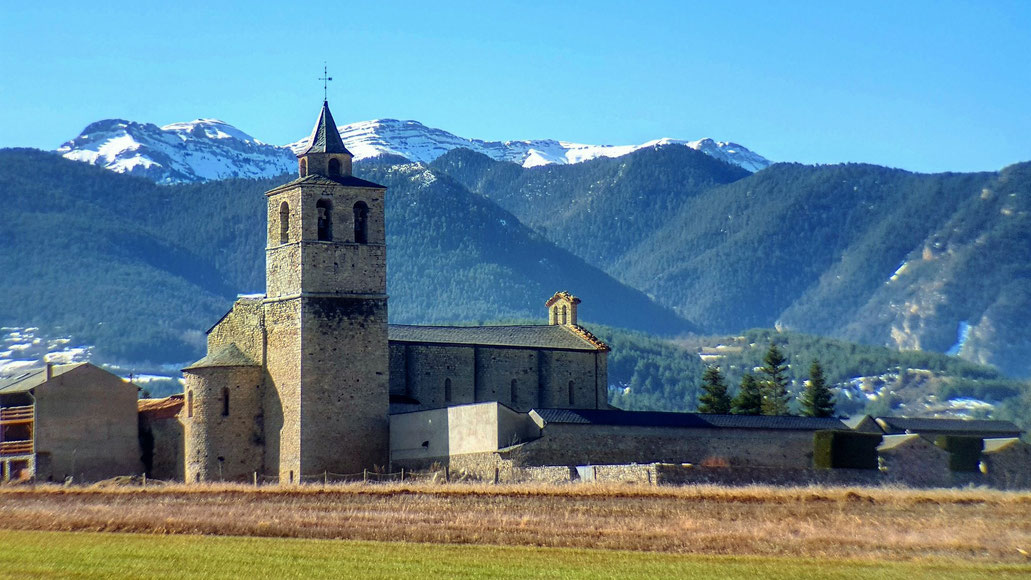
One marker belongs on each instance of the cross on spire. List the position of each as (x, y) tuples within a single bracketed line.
[(325, 78)]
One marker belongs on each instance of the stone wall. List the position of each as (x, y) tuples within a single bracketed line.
[(282, 400), (243, 326), (914, 461), (167, 454), (1008, 467), (536, 377), (344, 385), (573, 444), (223, 438), (87, 426)]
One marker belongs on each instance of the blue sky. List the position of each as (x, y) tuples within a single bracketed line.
[(925, 86)]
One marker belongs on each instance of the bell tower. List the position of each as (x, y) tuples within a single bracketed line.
[(326, 316)]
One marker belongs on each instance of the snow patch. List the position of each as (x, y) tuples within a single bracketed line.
[(962, 333)]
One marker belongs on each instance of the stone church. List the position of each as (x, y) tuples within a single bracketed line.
[(303, 379)]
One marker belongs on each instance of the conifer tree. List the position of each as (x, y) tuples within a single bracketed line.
[(775, 382), (749, 398), (714, 398), (817, 399)]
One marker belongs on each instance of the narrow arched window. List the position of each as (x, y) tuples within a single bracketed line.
[(513, 395), (303, 165), (564, 315), (324, 209), (189, 404), (447, 390), (284, 223), (571, 393), (334, 167), (225, 401), (361, 223)]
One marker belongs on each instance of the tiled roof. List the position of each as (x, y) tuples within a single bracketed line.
[(160, 408), (325, 138), (530, 336), (957, 426), (227, 355), (685, 420)]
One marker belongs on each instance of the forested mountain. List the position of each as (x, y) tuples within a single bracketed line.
[(142, 270), (884, 256), (601, 208)]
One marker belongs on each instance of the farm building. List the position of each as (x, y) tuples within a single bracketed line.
[(68, 421)]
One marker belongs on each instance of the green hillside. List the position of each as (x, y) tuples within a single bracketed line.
[(141, 270), (810, 248)]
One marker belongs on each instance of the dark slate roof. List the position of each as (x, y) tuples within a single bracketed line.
[(227, 355), (957, 426), (685, 420), (325, 138), (530, 336), (313, 179)]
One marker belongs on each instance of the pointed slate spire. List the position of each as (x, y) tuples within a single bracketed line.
[(325, 138)]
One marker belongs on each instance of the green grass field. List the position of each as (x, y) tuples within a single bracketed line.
[(107, 555)]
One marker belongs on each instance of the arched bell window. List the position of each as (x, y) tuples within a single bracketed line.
[(324, 211), (284, 223), (334, 167), (361, 223)]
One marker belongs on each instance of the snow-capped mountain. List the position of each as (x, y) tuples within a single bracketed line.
[(208, 149), (200, 150), (417, 142)]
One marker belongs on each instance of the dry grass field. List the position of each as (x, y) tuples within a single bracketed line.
[(871, 524)]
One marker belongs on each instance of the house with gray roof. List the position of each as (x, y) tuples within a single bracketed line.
[(68, 421)]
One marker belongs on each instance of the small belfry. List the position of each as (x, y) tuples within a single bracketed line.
[(562, 309), (326, 156)]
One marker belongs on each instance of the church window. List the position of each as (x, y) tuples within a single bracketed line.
[(570, 393), (513, 393), (324, 210), (225, 401), (564, 314), (304, 167), (189, 404), (361, 223), (334, 167), (284, 223), (447, 390)]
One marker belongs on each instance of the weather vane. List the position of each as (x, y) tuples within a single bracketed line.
[(325, 78)]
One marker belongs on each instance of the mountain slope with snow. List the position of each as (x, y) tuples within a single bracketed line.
[(200, 150), (417, 142), (207, 149)]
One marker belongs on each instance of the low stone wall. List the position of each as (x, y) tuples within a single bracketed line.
[(673, 474)]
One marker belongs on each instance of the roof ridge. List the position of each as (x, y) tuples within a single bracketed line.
[(585, 334)]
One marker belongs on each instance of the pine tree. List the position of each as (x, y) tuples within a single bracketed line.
[(775, 383), (714, 398), (817, 400), (749, 398)]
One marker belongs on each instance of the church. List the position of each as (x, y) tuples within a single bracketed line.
[(308, 380), (303, 379)]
